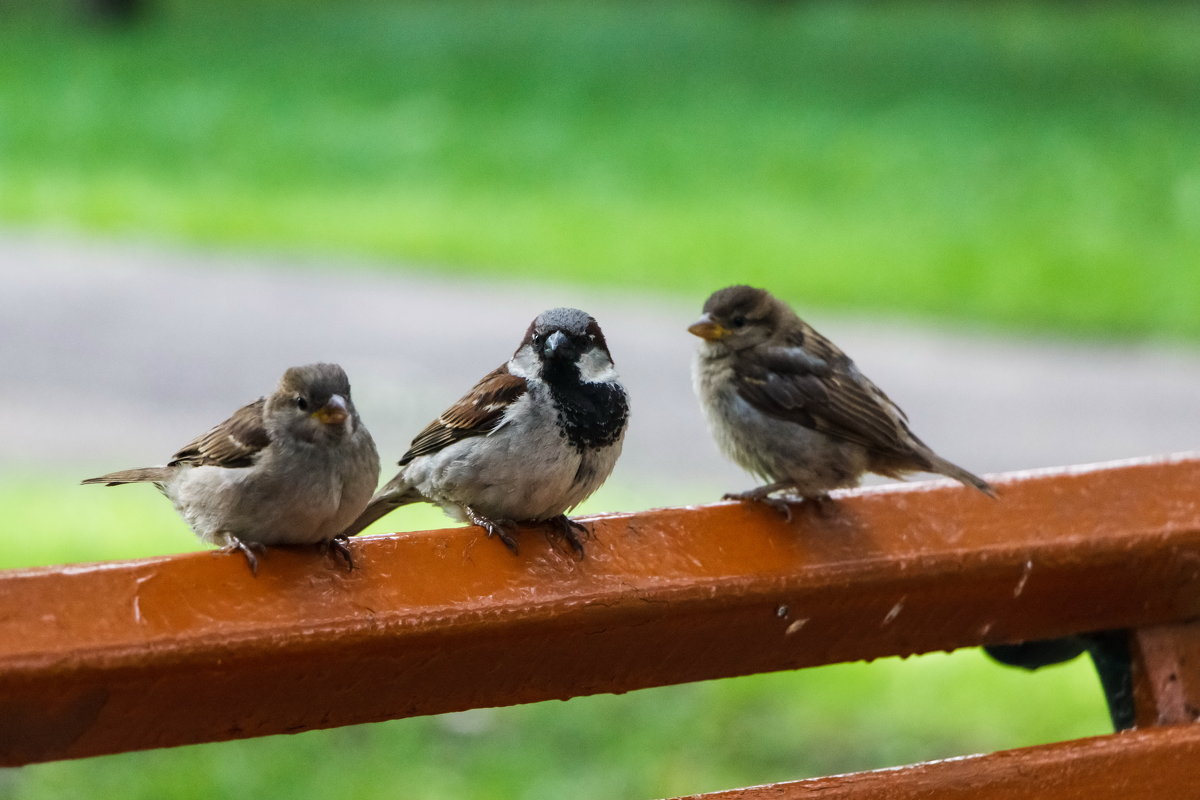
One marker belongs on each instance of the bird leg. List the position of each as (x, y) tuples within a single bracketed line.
[(825, 506), (762, 494), (234, 544), (340, 546), (494, 527), (574, 532)]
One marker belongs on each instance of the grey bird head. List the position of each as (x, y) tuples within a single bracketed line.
[(313, 403), (738, 317), (563, 340)]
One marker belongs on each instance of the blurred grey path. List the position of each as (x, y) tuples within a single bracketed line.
[(113, 355)]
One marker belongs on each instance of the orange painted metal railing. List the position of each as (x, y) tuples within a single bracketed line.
[(113, 657)]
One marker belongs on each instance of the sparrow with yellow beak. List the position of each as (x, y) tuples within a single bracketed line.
[(292, 468), (786, 404)]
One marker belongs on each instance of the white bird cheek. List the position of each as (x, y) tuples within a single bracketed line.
[(596, 367), (524, 363)]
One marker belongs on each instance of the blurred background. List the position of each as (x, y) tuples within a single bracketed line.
[(993, 207)]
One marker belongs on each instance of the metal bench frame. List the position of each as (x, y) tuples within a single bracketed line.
[(112, 657)]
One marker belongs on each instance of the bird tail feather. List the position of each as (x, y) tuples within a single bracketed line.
[(139, 475), (952, 470), (381, 505)]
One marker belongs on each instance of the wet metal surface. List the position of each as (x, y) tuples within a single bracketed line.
[(120, 656), (1166, 674), (1154, 764)]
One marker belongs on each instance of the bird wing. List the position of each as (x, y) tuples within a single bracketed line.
[(819, 387), (479, 412), (236, 442)]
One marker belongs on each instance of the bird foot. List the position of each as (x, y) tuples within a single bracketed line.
[(235, 545), (500, 528), (825, 506), (763, 495), (340, 547), (574, 532)]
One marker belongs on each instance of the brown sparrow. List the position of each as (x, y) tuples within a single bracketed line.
[(292, 468), (786, 404), (532, 440)]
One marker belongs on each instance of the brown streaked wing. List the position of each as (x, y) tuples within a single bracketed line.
[(825, 395), (234, 443), (817, 347), (478, 412)]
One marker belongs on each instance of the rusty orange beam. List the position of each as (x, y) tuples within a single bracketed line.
[(122, 656), (1166, 674), (1156, 763)]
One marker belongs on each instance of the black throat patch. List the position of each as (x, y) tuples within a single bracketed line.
[(592, 415)]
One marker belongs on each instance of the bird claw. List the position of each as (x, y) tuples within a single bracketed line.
[(498, 530), (247, 549), (758, 496), (494, 527), (340, 546), (825, 506), (574, 532)]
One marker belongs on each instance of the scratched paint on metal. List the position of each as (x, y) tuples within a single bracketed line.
[(446, 620), (1155, 763)]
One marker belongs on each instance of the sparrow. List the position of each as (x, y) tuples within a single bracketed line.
[(533, 439), (292, 468), (786, 404)]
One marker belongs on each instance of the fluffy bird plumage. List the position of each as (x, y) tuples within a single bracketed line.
[(786, 404), (534, 437), (294, 467)]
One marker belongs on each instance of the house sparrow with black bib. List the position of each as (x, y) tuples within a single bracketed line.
[(786, 404), (289, 469), (532, 440)]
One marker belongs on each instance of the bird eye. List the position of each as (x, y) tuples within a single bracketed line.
[(537, 338), (301, 404), (739, 321)]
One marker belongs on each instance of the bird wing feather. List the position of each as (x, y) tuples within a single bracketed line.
[(477, 413), (236, 442), (819, 387)]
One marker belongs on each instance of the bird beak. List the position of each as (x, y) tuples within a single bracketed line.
[(558, 346), (334, 412), (708, 330)]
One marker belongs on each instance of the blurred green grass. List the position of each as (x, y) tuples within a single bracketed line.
[(1020, 164), (651, 743), (646, 744), (1028, 164)]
